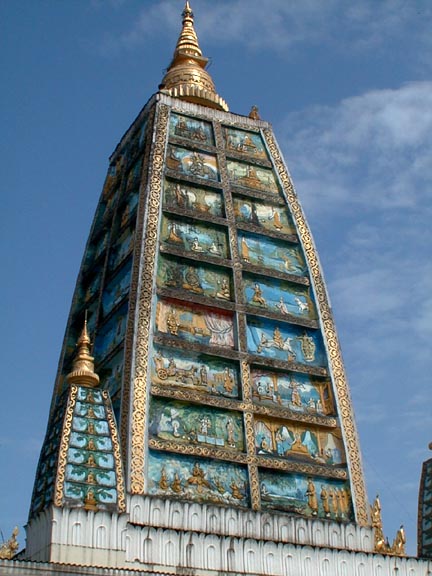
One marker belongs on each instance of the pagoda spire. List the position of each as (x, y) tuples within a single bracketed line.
[(186, 77), (83, 372)]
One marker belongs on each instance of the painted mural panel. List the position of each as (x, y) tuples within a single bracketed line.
[(111, 333), (91, 283), (297, 442), (110, 373), (266, 216), (194, 323), (116, 288), (299, 392), (247, 143), (285, 342), (121, 247), (199, 425), (249, 176), (187, 197), (96, 248), (195, 238), (313, 497), (425, 511), (111, 200), (271, 253), (128, 209), (192, 163), (280, 297), (134, 175), (191, 128), (200, 480), (198, 279), (203, 373)]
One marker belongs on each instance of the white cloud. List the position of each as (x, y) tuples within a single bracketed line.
[(363, 170), (279, 25), (376, 147)]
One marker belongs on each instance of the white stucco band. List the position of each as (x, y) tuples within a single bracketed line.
[(167, 535)]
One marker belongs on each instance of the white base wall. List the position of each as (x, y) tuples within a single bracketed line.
[(171, 537)]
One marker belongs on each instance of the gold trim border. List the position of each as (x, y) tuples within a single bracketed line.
[(330, 336), (143, 318), (121, 500), (64, 445)]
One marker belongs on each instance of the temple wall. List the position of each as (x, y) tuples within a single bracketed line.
[(168, 537), (237, 523)]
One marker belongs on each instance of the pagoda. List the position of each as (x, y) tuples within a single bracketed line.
[(201, 420)]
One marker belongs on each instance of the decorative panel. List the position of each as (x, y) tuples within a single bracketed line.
[(250, 176), (200, 480), (111, 333), (198, 131), (298, 442), (200, 201), (266, 216), (201, 373), (195, 425), (249, 144), (300, 494), (271, 254), (194, 237), (197, 279), (116, 288), (192, 163), (279, 297), (285, 342), (301, 393), (195, 324)]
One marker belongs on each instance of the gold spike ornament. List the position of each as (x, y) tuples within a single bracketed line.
[(186, 77), (83, 373)]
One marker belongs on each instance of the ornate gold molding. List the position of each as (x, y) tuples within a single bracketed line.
[(121, 500), (141, 345), (330, 337), (64, 444)]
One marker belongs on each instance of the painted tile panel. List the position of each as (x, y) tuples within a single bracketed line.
[(264, 215), (247, 143), (197, 425), (188, 197), (195, 324), (116, 288), (122, 247), (285, 342), (299, 494), (279, 297), (299, 392), (298, 442), (111, 333), (191, 128), (250, 176), (192, 163), (195, 238), (202, 280), (203, 373), (199, 480), (270, 253)]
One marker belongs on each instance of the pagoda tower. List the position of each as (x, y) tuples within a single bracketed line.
[(201, 420)]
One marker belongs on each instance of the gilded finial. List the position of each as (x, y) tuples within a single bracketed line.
[(186, 77), (381, 544), (254, 113), (83, 372), (10, 547)]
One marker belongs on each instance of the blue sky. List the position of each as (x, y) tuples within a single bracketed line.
[(348, 89)]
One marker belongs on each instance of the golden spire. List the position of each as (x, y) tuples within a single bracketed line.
[(83, 366), (186, 77)]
